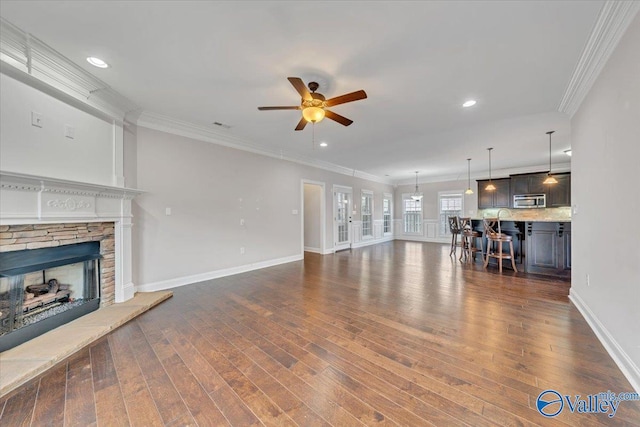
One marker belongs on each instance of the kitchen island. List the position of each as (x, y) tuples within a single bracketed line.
[(541, 246)]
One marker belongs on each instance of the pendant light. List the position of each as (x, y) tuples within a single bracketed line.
[(490, 186), (550, 179), (469, 190), (416, 195)]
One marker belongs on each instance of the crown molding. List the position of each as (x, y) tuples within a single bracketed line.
[(611, 24), (33, 62), (207, 134)]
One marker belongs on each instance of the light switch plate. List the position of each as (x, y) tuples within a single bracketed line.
[(36, 119)]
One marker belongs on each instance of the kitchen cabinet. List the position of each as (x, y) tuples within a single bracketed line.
[(530, 183), (559, 194), (548, 248), (498, 198)]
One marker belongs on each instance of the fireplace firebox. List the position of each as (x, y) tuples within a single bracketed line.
[(41, 289)]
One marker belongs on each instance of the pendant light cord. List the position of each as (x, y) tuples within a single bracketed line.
[(550, 153), (490, 164)]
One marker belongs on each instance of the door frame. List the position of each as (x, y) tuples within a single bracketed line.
[(323, 214), (349, 190)]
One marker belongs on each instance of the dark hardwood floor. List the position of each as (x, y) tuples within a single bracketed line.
[(393, 334)]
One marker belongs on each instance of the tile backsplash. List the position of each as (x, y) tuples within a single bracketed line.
[(560, 214)]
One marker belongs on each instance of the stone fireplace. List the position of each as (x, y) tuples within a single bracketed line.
[(38, 212)]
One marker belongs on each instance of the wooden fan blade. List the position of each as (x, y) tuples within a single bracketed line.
[(301, 124), (278, 108), (300, 87), (349, 97), (337, 117)]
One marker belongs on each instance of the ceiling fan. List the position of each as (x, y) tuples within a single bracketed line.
[(314, 105)]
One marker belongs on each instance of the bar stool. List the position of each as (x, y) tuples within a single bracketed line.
[(469, 237), (454, 228), (497, 238)]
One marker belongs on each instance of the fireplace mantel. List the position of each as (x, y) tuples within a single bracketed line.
[(28, 199)]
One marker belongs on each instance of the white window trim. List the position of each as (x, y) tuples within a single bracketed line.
[(387, 196), (370, 194), (449, 193), (406, 196)]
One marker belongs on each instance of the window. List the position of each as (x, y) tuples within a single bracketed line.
[(367, 214), (412, 214), (386, 214), (450, 205)]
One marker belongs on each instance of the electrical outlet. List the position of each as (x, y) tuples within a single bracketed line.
[(588, 281), (242, 250), (241, 221)]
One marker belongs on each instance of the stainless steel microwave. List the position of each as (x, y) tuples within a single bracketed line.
[(529, 201)]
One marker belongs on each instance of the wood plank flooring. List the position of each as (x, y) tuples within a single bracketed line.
[(393, 334)]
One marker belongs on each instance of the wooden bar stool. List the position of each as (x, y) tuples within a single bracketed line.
[(454, 228), (469, 238), (495, 240)]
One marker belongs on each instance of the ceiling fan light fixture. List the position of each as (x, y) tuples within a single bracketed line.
[(313, 114)]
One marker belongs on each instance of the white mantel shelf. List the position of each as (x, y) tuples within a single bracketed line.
[(41, 183), (29, 199)]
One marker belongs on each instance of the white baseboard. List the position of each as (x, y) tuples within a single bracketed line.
[(369, 242), (617, 353), (187, 280), (128, 291), (413, 238), (314, 250)]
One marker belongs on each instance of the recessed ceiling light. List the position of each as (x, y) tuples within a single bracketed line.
[(568, 152), (323, 144), (469, 103), (97, 62)]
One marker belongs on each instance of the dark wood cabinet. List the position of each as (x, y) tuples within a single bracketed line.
[(548, 248), (559, 194), (498, 198), (530, 183)]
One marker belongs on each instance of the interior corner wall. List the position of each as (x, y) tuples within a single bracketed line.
[(46, 151), (187, 223), (605, 283)]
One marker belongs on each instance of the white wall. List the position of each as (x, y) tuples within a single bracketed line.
[(209, 189), (45, 151), (606, 199), (312, 217)]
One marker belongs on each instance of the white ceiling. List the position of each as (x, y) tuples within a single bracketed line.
[(205, 62)]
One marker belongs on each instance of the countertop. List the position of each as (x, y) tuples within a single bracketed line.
[(520, 219)]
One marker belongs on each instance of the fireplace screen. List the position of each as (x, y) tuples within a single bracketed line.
[(41, 289)]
